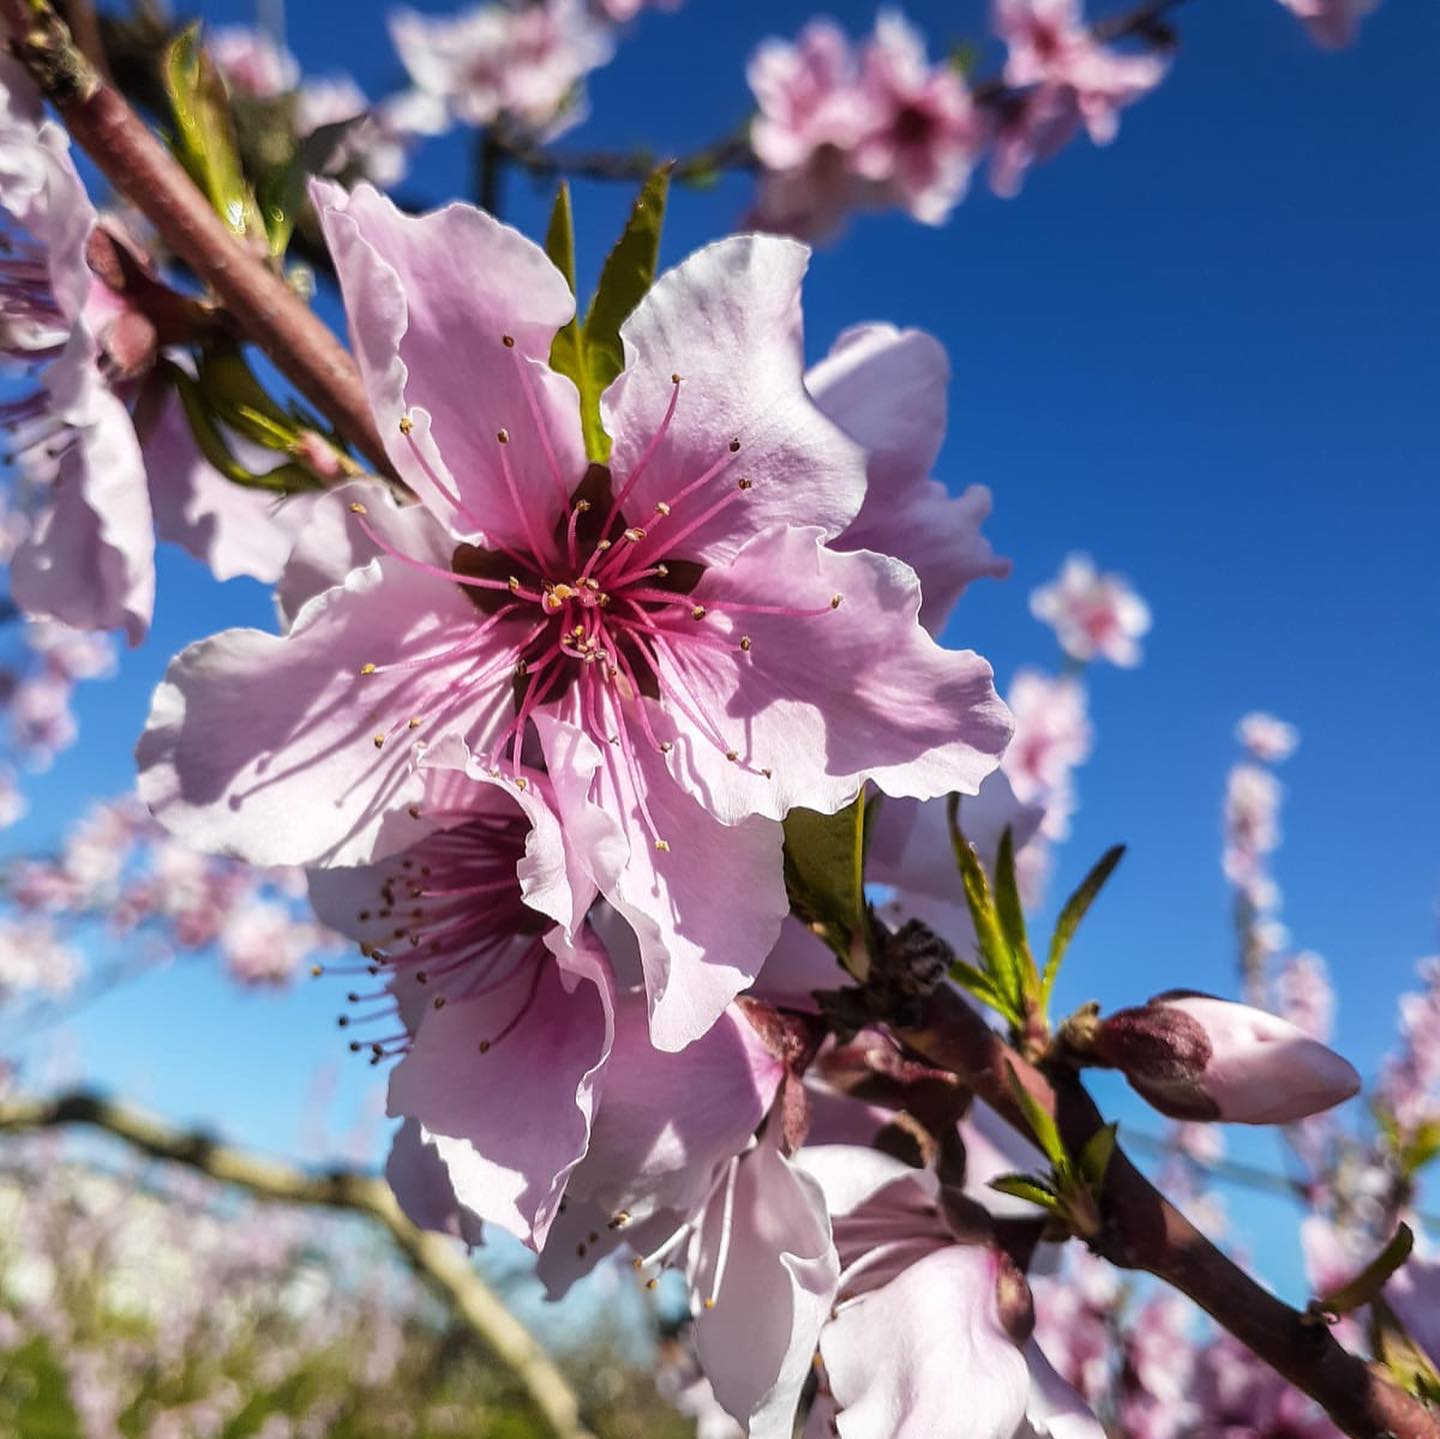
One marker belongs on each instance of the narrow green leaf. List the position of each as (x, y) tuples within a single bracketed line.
[(1042, 1126), (560, 235), (994, 948), (1074, 912), (1011, 914), (1096, 1155), (628, 273), (1360, 1290), (205, 132), (980, 985), (1023, 1186), (824, 868)]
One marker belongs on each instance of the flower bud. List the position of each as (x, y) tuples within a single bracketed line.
[(1196, 1057)]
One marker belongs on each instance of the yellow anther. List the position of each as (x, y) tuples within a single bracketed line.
[(663, 845), (357, 508), (745, 643), (732, 755), (651, 1283), (367, 669), (661, 508), (522, 783), (414, 721), (561, 593), (414, 811), (581, 506), (602, 545), (406, 424), (379, 741), (835, 601), (503, 436), (514, 583), (666, 746), (698, 613), (662, 570), (675, 379), (634, 534), (709, 1301)]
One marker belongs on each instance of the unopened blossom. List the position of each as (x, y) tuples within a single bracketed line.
[(925, 1312), (888, 389), (253, 63), (1094, 616), (926, 133), (1064, 79), (1332, 24), (524, 64), (673, 630), (1196, 1057), (1267, 739)]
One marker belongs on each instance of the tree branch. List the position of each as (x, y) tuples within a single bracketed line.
[(266, 309), (1144, 1231), (435, 1257)]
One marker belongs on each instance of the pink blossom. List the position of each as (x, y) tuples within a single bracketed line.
[(1066, 79), (253, 62), (35, 960), (924, 1314), (622, 10), (1159, 1363), (524, 64), (13, 803), (1093, 615), (1331, 23), (921, 151), (695, 659), (1196, 1057), (40, 719), (264, 944), (1410, 1081), (1268, 739), (377, 139), (886, 388), (1303, 995), (1239, 1394)]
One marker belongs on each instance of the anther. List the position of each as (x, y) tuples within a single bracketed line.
[(663, 845), (406, 424), (662, 570), (357, 508), (414, 721), (768, 773), (735, 446), (675, 379), (698, 613), (514, 584), (503, 436), (438, 1002), (835, 601), (602, 545), (732, 755), (316, 970), (745, 484), (620, 1219), (379, 741), (414, 811), (522, 668), (666, 746), (745, 643), (661, 508), (508, 341), (709, 1301), (651, 1283), (582, 506), (367, 669), (635, 534), (484, 1046)]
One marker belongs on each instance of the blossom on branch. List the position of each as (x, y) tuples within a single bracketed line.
[(1094, 616)]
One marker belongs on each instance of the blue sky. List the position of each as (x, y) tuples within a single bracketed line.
[(1208, 354)]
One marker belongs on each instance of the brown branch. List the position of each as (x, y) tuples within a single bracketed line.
[(266, 309), (1143, 1230), (438, 1259)]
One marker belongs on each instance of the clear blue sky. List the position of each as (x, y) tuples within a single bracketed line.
[(1208, 354)]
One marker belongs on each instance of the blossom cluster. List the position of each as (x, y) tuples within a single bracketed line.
[(120, 878)]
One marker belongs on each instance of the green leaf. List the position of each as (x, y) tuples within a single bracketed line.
[(1360, 1290), (628, 273), (1096, 1155), (824, 869), (1042, 1126), (560, 235), (1000, 962), (980, 985), (1074, 912), (1023, 1186), (205, 133), (1011, 913)]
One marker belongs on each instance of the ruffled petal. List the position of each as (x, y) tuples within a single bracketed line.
[(431, 300), (728, 322), (854, 688), (421, 1185)]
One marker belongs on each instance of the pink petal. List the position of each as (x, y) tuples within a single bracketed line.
[(431, 299), (646, 1151), (757, 1342), (512, 1122), (264, 747), (728, 322), (699, 945), (925, 1357), (421, 1184), (90, 560), (827, 699)]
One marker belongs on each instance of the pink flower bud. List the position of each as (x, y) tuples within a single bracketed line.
[(1196, 1057)]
